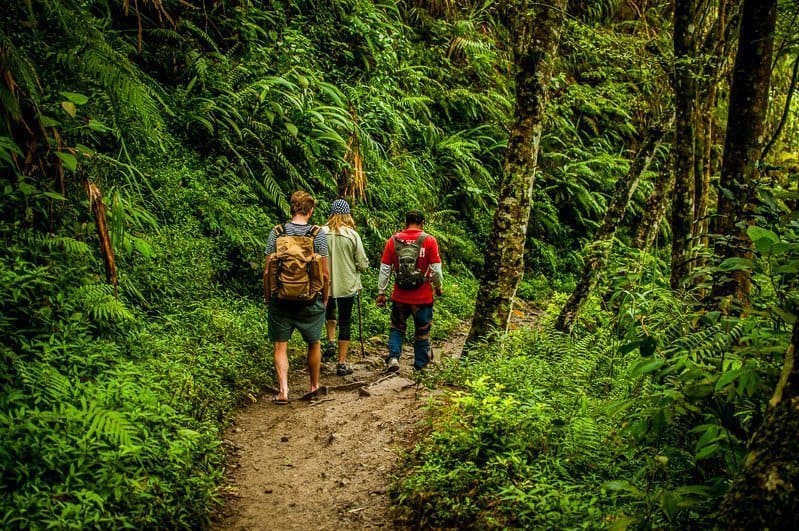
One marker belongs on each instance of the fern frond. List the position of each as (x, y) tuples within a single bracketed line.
[(43, 378), (98, 301), (109, 424)]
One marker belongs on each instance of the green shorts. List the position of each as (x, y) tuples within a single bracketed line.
[(285, 317)]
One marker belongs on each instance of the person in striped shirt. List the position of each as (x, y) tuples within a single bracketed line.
[(287, 316)]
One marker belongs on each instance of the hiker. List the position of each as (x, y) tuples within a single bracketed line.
[(347, 260), (296, 294), (413, 256)]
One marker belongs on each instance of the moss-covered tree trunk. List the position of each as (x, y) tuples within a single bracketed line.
[(682, 209), (743, 143), (715, 58), (536, 35), (596, 255), (656, 205), (766, 493)]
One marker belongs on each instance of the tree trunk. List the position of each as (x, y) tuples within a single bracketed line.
[(656, 205), (743, 144), (597, 254), (715, 56), (682, 212), (535, 49), (766, 493)]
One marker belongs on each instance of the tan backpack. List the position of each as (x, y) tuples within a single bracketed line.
[(295, 270)]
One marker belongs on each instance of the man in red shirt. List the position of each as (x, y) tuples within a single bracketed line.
[(411, 301)]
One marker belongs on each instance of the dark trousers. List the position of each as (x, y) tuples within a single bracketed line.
[(422, 319), (344, 305)]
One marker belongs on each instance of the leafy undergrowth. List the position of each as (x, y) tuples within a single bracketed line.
[(635, 421), (113, 419), (517, 444)]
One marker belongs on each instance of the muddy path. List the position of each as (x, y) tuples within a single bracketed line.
[(326, 463)]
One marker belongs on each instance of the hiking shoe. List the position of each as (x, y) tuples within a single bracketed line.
[(343, 369), (392, 365), (328, 350)]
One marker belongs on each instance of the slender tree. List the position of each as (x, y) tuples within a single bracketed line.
[(682, 212), (765, 495), (655, 210), (597, 255), (715, 57), (537, 35), (743, 143)]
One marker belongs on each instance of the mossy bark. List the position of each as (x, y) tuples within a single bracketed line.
[(682, 210), (766, 493), (749, 94), (537, 36), (596, 256)]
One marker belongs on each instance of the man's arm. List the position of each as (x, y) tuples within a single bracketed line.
[(386, 265), (436, 270)]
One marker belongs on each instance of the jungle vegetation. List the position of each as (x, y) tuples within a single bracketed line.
[(626, 169)]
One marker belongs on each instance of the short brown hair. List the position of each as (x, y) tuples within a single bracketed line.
[(301, 202)]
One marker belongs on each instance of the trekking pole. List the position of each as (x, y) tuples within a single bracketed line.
[(360, 325)]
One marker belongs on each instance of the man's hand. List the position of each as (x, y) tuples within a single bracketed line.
[(439, 292), (381, 300)]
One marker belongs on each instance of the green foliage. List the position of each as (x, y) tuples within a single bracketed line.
[(195, 134), (518, 445), (196, 124)]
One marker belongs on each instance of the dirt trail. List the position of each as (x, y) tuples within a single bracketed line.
[(327, 463)]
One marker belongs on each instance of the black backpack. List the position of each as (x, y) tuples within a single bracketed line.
[(408, 275)]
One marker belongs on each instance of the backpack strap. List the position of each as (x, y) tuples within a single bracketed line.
[(313, 231), (419, 239), (280, 230)]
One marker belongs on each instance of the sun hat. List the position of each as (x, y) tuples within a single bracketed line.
[(339, 206)]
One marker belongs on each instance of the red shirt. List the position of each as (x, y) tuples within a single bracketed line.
[(427, 255)]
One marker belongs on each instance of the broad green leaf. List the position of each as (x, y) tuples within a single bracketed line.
[(668, 505), (647, 367), (70, 108), (736, 264), (54, 195), (780, 248), (708, 451), (622, 523), (709, 432), (758, 233), (75, 97), (69, 161), (764, 246), (96, 125), (48, 121), (292, 129), (84, 150), (727, 378)]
